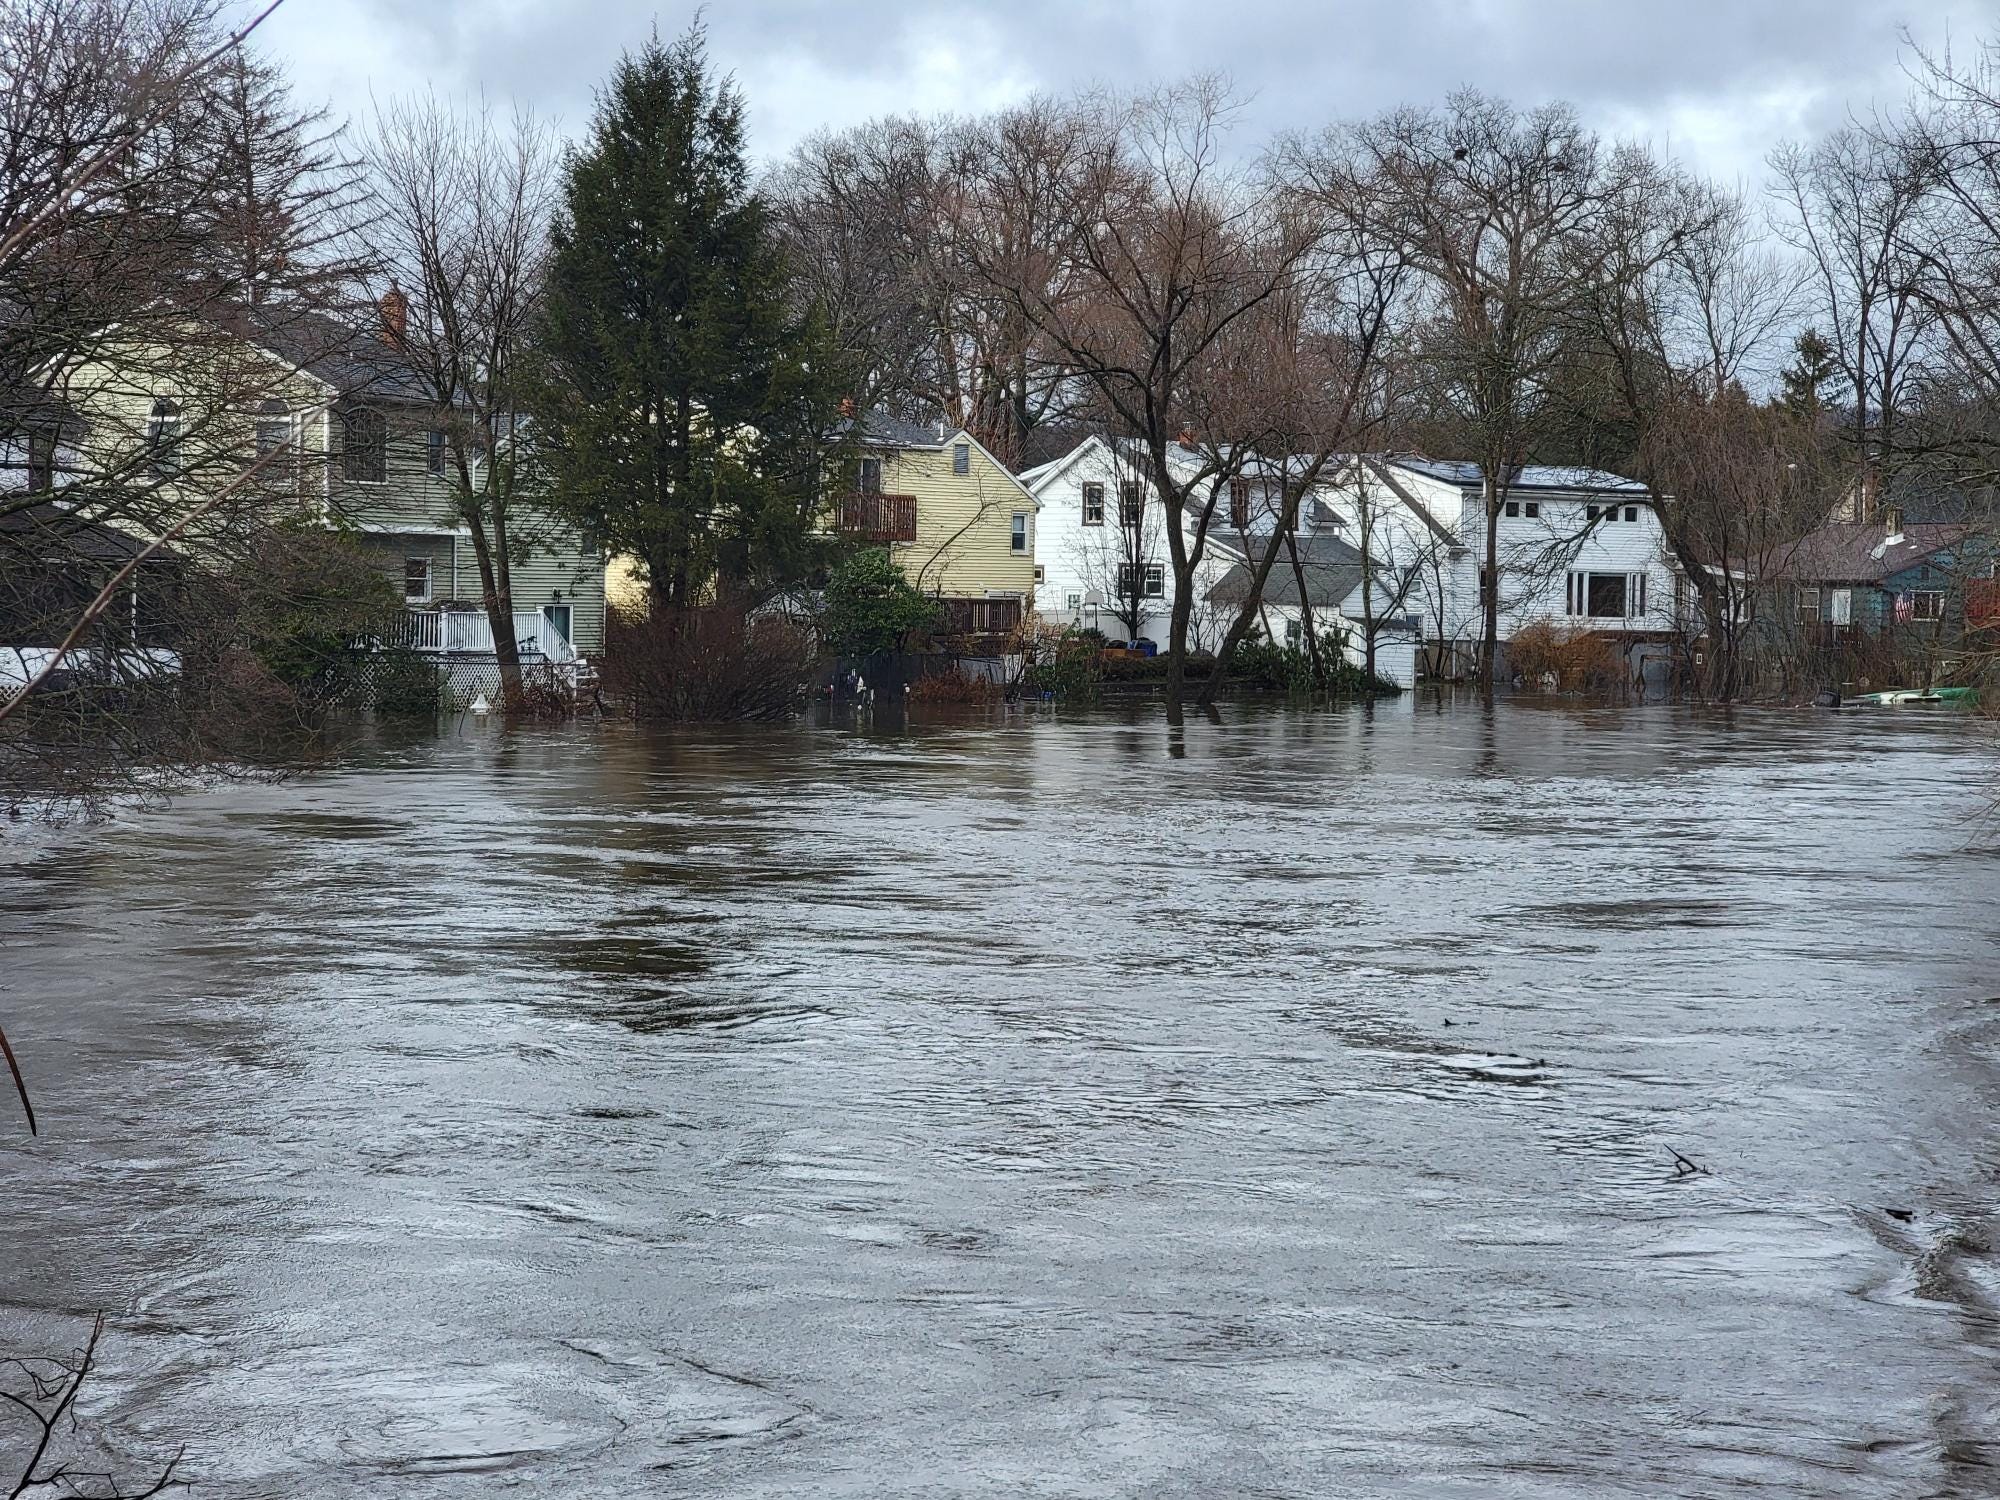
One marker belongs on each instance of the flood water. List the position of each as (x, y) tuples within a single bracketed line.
[(1034, 1106)]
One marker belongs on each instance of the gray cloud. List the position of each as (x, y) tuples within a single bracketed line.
[(1718, 80)]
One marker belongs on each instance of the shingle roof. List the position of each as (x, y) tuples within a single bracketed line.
[(52, 531), (883, 430), (1863, 552), (1332, 571), (1528, 477), (352, 357)]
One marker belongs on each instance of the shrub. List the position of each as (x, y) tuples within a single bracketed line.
[(953, 686), (406, 685), (870, 606), (713, 664), (1577, 660), (299, 602)]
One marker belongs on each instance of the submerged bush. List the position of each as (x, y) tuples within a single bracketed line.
[(712, 664), (406, 685)]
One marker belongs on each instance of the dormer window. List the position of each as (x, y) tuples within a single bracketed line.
[(364, 448), (164, 430)]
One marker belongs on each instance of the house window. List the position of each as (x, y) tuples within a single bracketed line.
[(1149, 580), (163, 437), (274, 432), (1017, 532), (1513, 509), (1294, 632), (274, 427), (1239, 504), (1591, 512), (1632, 513), (364, 449), (1809, 606), (416, 580), (1093, 505), (1041, 574), (1928, 604), (1131, 497), (1532, 509), (434, 451), (41, 461), (961, 458), (1073, 601), (1601, 596), (871, 476)]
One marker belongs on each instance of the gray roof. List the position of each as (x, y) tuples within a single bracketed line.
[(1332, 571), (1527, 477), (355, 358), (1862, 552), (882, 430), (54, 532)]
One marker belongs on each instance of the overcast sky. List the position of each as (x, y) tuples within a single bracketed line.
[(1717, 81)]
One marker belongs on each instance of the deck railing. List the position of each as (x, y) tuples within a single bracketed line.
[(879, 518), (981, 616), (467, 632)]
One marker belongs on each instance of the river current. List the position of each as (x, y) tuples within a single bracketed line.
[(1032, 1105)]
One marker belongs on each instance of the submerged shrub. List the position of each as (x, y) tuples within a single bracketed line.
[(712, 664), (406, 685)]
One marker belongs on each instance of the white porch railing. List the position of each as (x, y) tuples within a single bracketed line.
[(456, 632)]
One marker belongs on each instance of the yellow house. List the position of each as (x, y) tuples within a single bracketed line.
[(957, 522)]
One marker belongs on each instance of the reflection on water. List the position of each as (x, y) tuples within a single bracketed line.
[(1283, 1105)]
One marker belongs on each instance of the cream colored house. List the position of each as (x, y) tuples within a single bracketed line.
[(358, 447), (957, 522)]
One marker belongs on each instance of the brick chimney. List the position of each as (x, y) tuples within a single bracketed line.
[(395, 309), (847, 407)]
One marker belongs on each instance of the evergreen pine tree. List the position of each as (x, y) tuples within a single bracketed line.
[(684, 401), (1803, 383)]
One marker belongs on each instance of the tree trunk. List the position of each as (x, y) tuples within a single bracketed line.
[(497, 594), (1489, 633)]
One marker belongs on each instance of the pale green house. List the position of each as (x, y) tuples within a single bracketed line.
[(363, 452)]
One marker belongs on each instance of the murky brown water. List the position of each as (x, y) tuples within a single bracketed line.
[(1029, 1110)]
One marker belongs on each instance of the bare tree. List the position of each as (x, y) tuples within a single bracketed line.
[(461, 236), (1485, 201), (1161, 297), (1851, 204), (876, 220)]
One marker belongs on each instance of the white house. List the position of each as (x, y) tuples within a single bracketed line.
[(1579, 549), (1101, 542)]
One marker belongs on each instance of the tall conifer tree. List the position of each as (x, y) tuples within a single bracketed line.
[(686, 402)]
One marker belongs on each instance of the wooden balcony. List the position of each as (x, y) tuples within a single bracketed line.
[(990, 617), (879, 518)]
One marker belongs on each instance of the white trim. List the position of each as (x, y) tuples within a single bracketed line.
[(1043, 474), (1032, 498), (386, 528)]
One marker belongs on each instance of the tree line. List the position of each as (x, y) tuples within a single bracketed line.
[(640, 334)]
